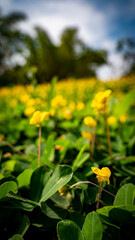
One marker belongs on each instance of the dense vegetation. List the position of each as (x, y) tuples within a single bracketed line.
[(53, 138)]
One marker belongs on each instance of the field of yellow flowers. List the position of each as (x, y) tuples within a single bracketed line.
[(67, 160)]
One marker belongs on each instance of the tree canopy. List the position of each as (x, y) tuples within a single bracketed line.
[(10, 38), (71, 58)]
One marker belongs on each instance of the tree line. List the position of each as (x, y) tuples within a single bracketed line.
[(43, 59)]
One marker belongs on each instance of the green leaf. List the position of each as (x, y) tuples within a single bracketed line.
[(60, 177), (77, 218), (1, 176), (72, 138), (69, 125), (51, 93), (59, 200), (16, 237), (80, 159), (104, 211), (9, 165), (122, 214), (66, 145), (14, 196), (15, 204), (129, 169), (24, 225), (103, 214), (24, 178), (7, 187), (92, 227), (68, 230), (37, 180), (125, 195), (49, 148), (53, 211), (47, 163), (122, 106)]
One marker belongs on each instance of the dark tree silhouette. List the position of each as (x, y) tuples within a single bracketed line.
[(11, 38), (72, 58)]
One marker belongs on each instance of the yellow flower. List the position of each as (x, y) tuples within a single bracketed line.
[(72, 106), (38, 117), (123, 118), (80, 106), (31, 102), (52, 112), (97, 105), (29, 111), (67, 114), (58, 101), (63, 191), (111, 120), (87, 135), (24, 98), (59, 147), (89, 121), (100, 100), (103, 174), (105, 95)]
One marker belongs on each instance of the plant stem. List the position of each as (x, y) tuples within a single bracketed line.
[(109, 146), (89, 142), (39, 146), (99, 196), (93, 138), (94, 184), (108, 136), (13, 148)]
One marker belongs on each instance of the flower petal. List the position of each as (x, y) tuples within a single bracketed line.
[(96, 170), (105, 171)]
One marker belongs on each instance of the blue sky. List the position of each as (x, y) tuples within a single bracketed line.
[(100, 22)]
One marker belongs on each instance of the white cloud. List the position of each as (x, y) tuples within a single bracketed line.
[(55, 16), (116, 64), (115, 68)]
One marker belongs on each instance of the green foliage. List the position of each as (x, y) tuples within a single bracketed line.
[(23, 226), (123, 106), (58, 199), (64, 60), (125, 196), (37, 179), (51, 93), (71, 229), (92, 227), (80, 159), (16, 237), (24, 178), (6, 188), (52, 211), (48, 149), (60, 177)]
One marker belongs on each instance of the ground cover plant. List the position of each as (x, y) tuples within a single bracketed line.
[(67, 164)]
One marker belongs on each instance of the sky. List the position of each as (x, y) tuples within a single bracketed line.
[(100, 23)]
